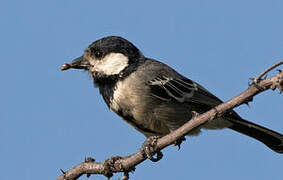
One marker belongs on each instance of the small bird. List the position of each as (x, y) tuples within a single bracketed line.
[(154, 98)]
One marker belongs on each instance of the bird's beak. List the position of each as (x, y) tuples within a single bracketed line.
[(78, 63)]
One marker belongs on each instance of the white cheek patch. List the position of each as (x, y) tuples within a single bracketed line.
[(111, 64)]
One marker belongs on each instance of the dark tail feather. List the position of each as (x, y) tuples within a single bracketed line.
[(268, 137)]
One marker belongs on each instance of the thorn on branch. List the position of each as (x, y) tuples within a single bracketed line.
[(247, 101), (178, 142), (263, 76), (258, 87), (89, 160), (63, 172), (108, 174), (126, 176), (194, 114), (255, 84)]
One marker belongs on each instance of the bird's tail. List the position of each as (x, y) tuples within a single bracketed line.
[(268, 137)]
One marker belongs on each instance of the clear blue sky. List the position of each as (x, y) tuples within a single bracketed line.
[(51, 119)]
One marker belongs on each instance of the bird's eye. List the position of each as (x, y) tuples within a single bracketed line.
[(98, 54)]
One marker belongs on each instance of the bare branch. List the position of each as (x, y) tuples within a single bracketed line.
[(256, 80), (128, 163)]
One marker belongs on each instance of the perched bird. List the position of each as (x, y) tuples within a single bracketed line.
[(154, 98)]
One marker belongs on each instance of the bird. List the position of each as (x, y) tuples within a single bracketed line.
[(153, 97)]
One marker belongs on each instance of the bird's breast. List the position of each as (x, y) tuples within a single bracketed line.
[(133, 102)]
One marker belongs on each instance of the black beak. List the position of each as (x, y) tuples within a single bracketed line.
[(78, 63)]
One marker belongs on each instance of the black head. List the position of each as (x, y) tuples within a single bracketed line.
[(108, 58), (114, 44)]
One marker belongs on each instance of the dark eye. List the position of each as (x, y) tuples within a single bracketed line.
[(98, 54)]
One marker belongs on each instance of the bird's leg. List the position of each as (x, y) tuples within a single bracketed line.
[(149, 148), (179, 141)]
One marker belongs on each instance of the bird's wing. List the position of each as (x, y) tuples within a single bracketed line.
[(182, 90)]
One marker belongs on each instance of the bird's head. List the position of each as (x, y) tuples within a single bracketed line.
[(107, 57)]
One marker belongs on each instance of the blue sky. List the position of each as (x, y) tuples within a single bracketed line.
[(51, 119)]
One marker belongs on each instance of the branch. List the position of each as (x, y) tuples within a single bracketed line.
[(128, 163)]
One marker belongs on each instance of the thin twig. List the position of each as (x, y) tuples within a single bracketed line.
[(256, 80)]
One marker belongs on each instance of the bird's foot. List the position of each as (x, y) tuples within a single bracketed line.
[(149, 149)]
